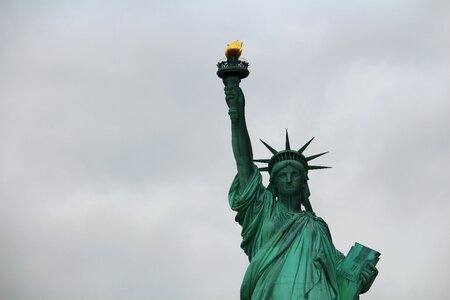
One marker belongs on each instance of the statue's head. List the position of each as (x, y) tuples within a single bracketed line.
[(288, 170), (288, 178)]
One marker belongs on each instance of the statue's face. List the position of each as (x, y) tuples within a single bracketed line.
[(289, 181)]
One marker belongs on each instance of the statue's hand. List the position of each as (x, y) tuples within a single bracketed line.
[(368, 277), (235, 101)]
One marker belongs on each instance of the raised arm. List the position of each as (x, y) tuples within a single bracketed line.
[(240, 140)]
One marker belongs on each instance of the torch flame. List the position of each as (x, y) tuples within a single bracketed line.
[(234, 49)]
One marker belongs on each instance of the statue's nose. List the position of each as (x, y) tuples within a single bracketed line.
[(288, 178)]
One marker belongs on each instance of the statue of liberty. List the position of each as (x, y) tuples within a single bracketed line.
[(289, 248)]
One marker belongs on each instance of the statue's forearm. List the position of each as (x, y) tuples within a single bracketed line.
[(242, 150), (240, 140)]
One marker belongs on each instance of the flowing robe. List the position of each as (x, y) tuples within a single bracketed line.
[(291, 254)]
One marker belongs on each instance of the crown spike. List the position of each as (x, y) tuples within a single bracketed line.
[(317, 167), (264, 169), (305, 146), (269, 147), (315, 156), (288, 146), (262, 160)]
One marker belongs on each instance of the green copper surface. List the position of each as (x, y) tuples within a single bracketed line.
[(289, 248)]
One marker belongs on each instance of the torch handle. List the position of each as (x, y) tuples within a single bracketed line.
[(231, 81)]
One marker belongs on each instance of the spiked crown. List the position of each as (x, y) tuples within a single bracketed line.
[(289, 154)]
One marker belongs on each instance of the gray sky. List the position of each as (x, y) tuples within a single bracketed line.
[(115, 153)]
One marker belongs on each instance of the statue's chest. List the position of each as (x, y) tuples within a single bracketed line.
[(275, 223)]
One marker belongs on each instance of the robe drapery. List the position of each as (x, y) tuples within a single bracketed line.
[(291, 254)]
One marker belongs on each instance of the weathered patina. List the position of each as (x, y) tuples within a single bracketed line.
[(290, 249)]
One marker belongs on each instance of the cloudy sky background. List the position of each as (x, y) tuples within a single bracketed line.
[(115, 153)]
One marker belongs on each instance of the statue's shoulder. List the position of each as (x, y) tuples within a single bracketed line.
[(313, 216)]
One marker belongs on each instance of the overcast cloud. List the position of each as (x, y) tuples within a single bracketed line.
[(115, 152)]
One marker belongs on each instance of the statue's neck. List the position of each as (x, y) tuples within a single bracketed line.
[(292, 203)]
